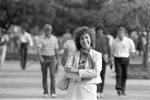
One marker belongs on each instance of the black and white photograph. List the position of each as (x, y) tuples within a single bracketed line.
[(74, 49)]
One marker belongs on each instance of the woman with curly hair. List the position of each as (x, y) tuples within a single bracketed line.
[(83, 67)]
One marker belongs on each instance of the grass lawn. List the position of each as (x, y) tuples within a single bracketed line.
[(138, 71)]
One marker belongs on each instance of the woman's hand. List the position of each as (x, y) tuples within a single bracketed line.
[(71, 70)]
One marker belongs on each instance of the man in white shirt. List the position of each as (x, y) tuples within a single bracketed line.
[(122, 49), (25, 39)]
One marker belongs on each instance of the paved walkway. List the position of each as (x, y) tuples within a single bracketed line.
[(17, 84)]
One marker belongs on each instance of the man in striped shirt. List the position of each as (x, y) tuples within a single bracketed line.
[(48, 50)]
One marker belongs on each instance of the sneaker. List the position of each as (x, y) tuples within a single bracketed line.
[(119, 93), (123, 93), (98, 95), (101, 95), (45, 95), (53, 95)]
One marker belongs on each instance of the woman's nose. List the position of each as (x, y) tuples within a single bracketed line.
[(84, 39)]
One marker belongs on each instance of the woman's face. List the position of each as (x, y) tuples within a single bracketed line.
[(85, 41)]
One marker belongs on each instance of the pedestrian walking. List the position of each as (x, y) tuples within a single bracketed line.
[(25, 40), (4, 39), (111, 38), (66, 36), (69, 47), (123, 49), (102, 46), (48, 53), (83, 67)]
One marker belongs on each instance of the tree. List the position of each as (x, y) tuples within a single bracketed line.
[(75, 13), (62, 14), (26, 13), (132, 14)]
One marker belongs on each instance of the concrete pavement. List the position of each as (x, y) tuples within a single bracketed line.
[(18, 84)]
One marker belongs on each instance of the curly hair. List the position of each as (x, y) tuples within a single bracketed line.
[(80, 32)]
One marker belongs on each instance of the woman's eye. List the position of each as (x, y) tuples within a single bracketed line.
[(87, 37), (81, 38)]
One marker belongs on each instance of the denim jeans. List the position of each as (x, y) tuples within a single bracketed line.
[(23, 54), (49, 63), (121, 65)]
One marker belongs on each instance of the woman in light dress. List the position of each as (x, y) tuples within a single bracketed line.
[(83, 67)]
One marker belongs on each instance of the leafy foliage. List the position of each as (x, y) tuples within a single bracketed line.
[(26, 13), (132, 14), (62, 14), (69, 14)]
